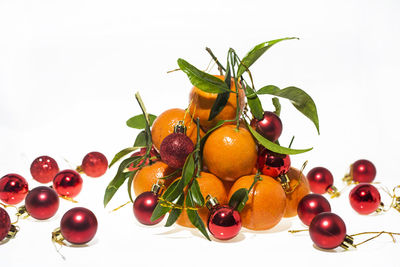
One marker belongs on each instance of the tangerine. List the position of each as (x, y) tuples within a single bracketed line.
[(165, 123), (266, 204), (300, 182), (202, 103), (209, 184), (230, 153), (149, 174)]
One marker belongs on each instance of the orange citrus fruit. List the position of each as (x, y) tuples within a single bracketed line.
[(209, 184), (165, 123), (266, 204), (148, 175), (202, 102), (300, 183), (230, 153)]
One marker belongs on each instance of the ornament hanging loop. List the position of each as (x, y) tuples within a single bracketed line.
[(57, 237), (377, 235), (333, 191), (180, 127)]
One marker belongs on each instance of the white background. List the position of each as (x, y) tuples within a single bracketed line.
[(69, 71)]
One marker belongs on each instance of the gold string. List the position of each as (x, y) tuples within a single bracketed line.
[(168, 204), (297, 231), (298, 178), (121, 206), (68, 198), (377, 235)]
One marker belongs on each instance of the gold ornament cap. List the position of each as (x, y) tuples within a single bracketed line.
[(211, 202), (347, 242), (180, 127), (333, 191)]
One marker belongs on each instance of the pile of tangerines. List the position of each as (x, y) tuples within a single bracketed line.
[(235, 144)]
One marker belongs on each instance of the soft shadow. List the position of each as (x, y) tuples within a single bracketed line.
[(240, 237), (91, 243), (282, 226), (4, 241), (328, 250), (173, 230)]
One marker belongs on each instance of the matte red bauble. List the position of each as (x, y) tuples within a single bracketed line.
[(175, 148), (272, 164), (5, 224), (78, 225), (327, 230), (310, 206), (13, 188), (144, 206), (363, 171), (43, 169), (94, 164), (42, 203), (68, 183), (270, 126), (365, 198), (320, 180), (224, 222)]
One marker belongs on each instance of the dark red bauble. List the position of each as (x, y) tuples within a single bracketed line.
[(5, 223), (310, 206), (272, 164), (142, 152), (327, 230), (224, 222), (320, 179), (365, 198), (68, 183), (42, 202), (78, 225), (144, 206), (13, 188), (94, 164), (175, 148), (270, 126), (43, 169), (363, 171)]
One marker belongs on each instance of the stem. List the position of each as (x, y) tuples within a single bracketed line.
[(220, 67), (291, 142), (232, 64), (256, 179), (198, 162)]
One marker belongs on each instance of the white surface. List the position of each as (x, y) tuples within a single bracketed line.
[(69, 71)]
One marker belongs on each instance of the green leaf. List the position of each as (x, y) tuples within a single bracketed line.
[(131, 175), (196, 193), (141, 139), (160, 210), (139, 121), (274, 147), (118, 180), (122, 153), (254, 103), (202, 80), (239, 198), (257, 52), (277, 105), (222, 98), (300, 100), (194, 216), (175, 213)]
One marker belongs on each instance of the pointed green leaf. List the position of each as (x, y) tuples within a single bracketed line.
[(175, 212), (194, 216), (121, 154), (274, 147), (222, 98), (254, 103), (139, 121), (131, 175), (257, 52), (160, 210), (300, 100), (277, 105), (196, 193), (141, 139), (239, 198), (201, 79)]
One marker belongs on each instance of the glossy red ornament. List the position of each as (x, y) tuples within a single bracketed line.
[(68, 183), (142, 152), (5, 224), (78, 225), (144, 206), (363, 171), (224, 222), (42, 202), (272, 164), (175, 148), (365, 198), (320, 180), (310, 206), (270, 126), (13, 188), (94, 164), (43, 169), (327, 230)]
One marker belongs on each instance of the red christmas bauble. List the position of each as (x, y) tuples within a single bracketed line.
[(142, 152), (68, 183), (363, 171), (78, 225), (273, 164), (13, 188), (327, 230), (320, 179), (43, 169), (5, 223), (224, 222), (365, 198), (94, 164), (144, 206), (42, 202), (310, 206), (175, 148), (270, 126)]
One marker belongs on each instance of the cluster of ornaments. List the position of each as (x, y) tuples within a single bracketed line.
[(78, 225)]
